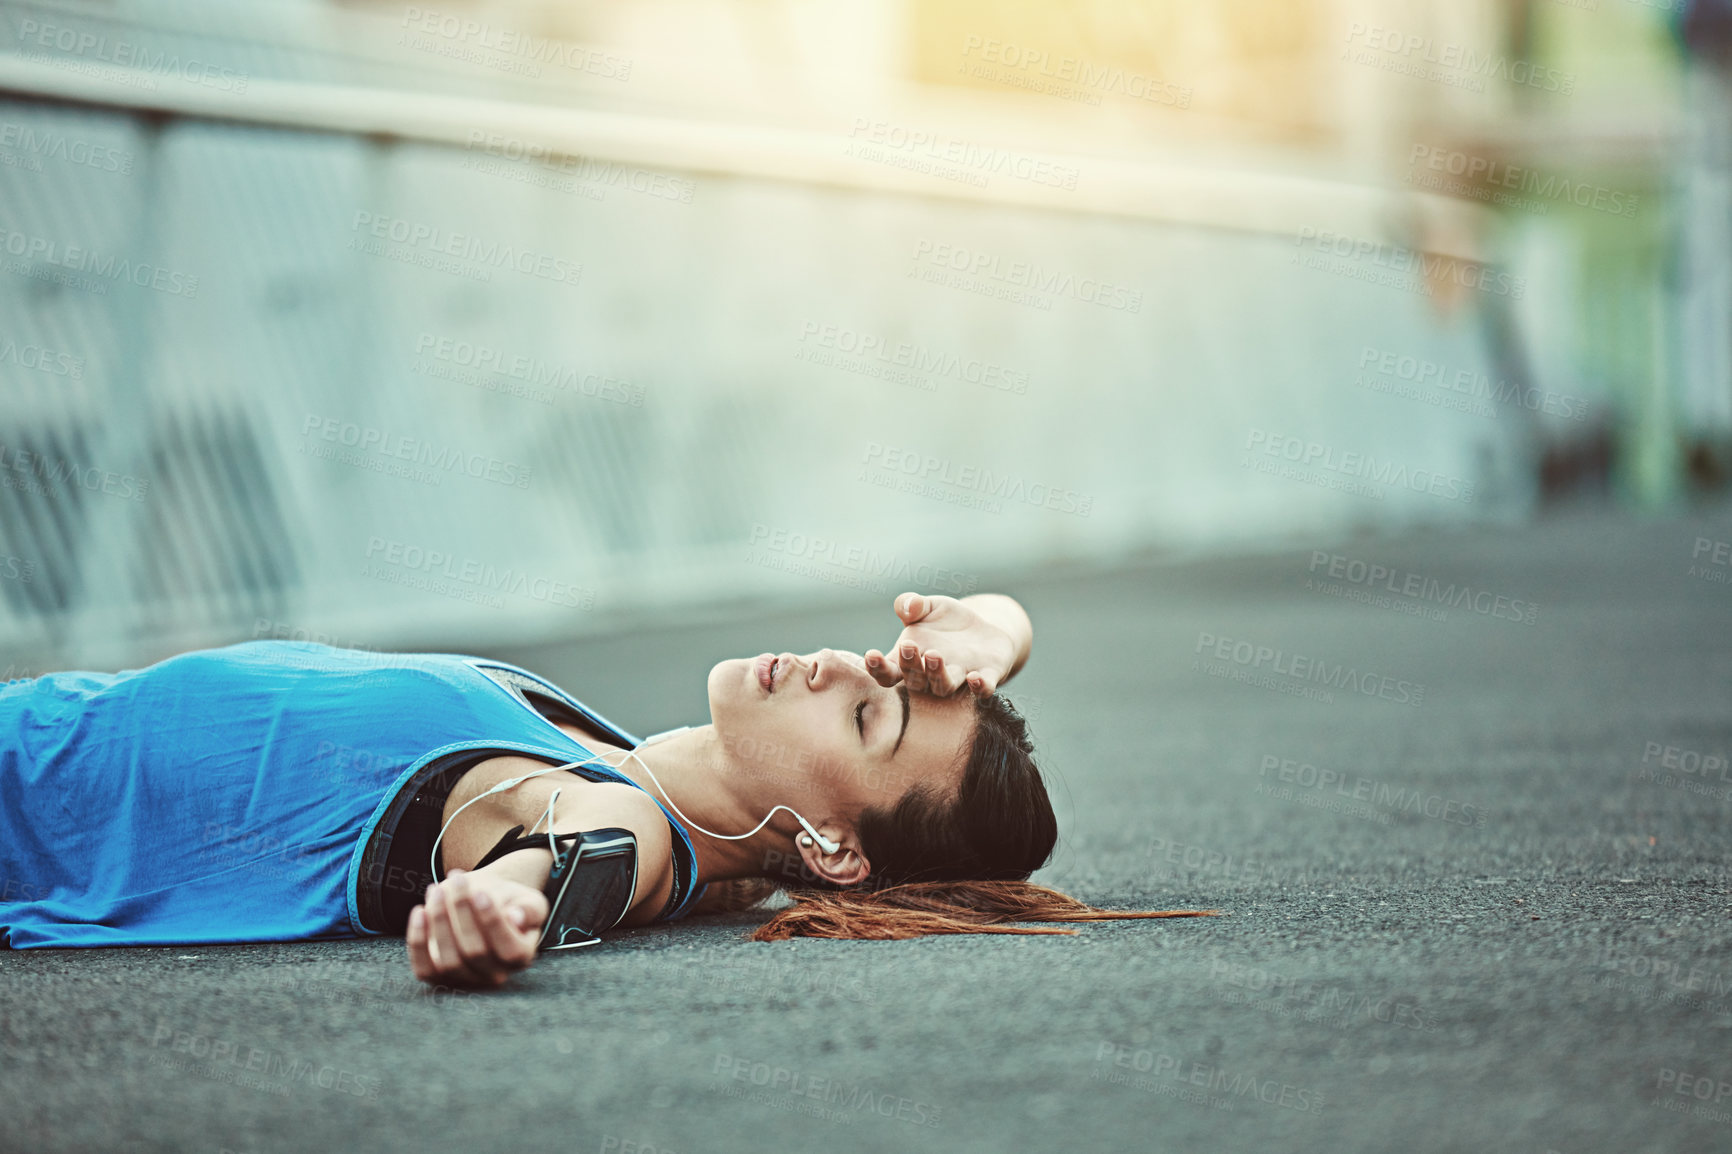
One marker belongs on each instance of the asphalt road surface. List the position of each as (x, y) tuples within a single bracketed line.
[(1480, 902)]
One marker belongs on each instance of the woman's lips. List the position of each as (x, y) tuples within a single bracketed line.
[(765, 669)]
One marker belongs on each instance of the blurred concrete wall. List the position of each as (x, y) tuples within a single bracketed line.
[(441, 325), (425, 395)]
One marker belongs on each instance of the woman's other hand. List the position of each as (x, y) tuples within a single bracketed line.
[(947, 644), (475, 929)]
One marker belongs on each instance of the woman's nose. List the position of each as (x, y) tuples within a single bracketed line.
[(828, 665)]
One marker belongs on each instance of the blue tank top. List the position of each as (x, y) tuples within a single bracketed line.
[(227, 795)]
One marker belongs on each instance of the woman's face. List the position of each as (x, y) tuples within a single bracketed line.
[(820, 728)]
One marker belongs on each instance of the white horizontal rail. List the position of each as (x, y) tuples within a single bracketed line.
[(1239, 199)]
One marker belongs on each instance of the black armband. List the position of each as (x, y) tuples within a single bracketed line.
[(590, 886)]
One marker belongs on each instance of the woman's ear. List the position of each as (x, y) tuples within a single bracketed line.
[(846, 867)]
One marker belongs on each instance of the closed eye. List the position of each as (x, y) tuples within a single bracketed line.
[(860, 720)]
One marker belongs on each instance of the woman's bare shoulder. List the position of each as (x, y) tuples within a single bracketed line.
[(615, 805), (583, 805)]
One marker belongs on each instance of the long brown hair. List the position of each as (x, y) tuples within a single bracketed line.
[(914, 909), (946, 867)]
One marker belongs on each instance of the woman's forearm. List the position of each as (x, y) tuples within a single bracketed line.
[(1009, 616), (526, 867)]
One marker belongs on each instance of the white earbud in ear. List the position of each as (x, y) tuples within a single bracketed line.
[(806, 839), (824, 843)]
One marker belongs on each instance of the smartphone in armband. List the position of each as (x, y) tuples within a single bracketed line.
[(590, 887)]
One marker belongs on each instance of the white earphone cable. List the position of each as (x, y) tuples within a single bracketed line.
[(830, 846), (432, 858)]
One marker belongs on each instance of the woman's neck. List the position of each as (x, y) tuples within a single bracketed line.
[(691, 771)]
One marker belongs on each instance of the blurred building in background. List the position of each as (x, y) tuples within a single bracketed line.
[(452, 324)]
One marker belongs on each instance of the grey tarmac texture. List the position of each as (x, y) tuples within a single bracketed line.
[(1387, 974)]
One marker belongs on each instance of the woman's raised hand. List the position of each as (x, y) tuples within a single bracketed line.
[(945, 645), (476, 929)]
